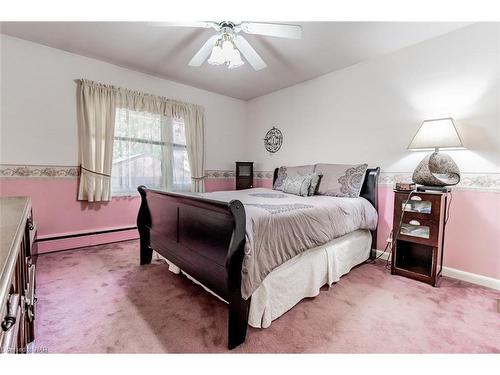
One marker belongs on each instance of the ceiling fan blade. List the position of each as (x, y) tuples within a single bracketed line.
[(249, 53), (272, 29), (204, 51), (200, 24)]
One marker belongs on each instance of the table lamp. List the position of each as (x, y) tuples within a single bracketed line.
[(437, 170)]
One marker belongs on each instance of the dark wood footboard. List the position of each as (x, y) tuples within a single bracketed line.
[(205, 238)]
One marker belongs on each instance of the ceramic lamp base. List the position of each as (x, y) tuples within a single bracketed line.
[(437, 169)]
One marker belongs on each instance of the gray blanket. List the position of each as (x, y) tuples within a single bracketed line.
[(280, 226)]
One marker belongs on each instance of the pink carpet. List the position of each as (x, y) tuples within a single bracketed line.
[(99, 300)]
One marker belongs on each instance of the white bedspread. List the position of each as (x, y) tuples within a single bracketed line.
[(305, 274)]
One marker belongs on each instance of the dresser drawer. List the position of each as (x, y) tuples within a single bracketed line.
[(418, 230), (419, 206), (11, 324), (17, 290), (31, 236), (30, 304)]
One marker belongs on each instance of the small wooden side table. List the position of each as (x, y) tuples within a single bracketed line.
[(418, 237), (244, 175)]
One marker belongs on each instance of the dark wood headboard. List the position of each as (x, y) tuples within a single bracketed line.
[(369, 190)]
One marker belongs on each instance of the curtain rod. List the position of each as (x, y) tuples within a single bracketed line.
[(87, 82)]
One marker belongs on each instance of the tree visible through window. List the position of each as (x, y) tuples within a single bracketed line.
[(149, 149)]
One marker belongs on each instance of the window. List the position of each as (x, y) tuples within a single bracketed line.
[(149, 149), (181, 172)]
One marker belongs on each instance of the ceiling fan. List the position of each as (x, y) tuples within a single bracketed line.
[(225, 46)]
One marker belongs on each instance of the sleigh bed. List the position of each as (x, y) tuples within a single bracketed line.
[(206, 235)]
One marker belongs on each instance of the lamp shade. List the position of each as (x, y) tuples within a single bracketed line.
[(236, 60), (435, 134), (217, 56)]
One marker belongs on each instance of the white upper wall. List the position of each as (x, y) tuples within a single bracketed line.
[(369, 112), (38, 93), (365, 113)]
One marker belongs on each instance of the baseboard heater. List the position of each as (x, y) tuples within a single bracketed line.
[(66, 236)]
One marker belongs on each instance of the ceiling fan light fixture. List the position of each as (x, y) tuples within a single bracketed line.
[(227, 49), (217, 56), (228, 40), (236, 60), (225, 52)]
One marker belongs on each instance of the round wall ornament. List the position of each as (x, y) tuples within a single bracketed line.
[(273, 140)]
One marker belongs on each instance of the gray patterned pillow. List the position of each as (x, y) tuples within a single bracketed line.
[(298, 185), (316, 178), (284, 172), (341, 180)]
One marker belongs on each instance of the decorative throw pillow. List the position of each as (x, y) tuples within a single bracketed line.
[(341, 180), (316, 178), (284, 172), (298, 185)]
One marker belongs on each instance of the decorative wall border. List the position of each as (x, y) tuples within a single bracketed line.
[(469, 181), (228, 175), (49, 171), (489, 182), (38, 171), (220, 174)]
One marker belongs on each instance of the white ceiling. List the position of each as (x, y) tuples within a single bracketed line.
[(166, 51)]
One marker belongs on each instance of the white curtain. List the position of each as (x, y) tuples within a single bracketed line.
[(195, 139), (97, 104), (96, 123)]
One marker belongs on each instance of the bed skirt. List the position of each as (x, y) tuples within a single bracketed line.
[(302, 276)]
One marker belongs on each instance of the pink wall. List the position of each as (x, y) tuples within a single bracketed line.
[(220, 184), (264, 183), (229, 184), (58, 213), (472, 241)]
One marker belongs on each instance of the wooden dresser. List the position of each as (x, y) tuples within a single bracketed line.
[(17, 277)]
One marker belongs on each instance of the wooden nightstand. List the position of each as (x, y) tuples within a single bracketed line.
[(417, 248), (244, 175)]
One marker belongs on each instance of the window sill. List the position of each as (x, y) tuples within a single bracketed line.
[(135, 193), (124, 194)]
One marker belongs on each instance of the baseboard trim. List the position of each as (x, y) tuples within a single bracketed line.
[(473, 278), (74, 241), (81, 234), (382, 255), (453, 273)]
